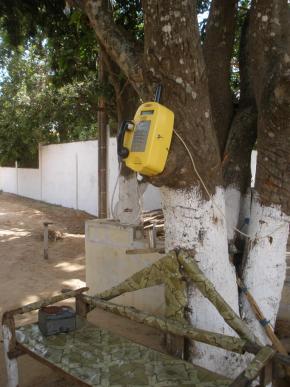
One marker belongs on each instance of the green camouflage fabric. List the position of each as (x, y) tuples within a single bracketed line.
[(99, 358), (172, 326), (257, 364), (45, 302), (175, 290)]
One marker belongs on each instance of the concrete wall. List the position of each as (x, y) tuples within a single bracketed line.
[(29, 183), (68, 176), (8, 179), (60, 174)]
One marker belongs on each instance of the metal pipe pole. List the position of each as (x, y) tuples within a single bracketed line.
[(102, 145)]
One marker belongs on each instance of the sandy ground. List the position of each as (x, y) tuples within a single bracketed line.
[(25, 276)]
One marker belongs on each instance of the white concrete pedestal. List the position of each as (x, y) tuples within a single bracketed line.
[(107, 263)]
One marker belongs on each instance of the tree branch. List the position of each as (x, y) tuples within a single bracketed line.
[(118, 43), (218, 47), (270, 72), (174, 59), (237, 161), (243, 132), (269, 40), (126, 96)]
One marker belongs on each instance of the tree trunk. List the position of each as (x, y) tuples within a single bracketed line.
[(191, 220), (218, 47), (194, 223), (265, 267), (270, 70), (242, 135)]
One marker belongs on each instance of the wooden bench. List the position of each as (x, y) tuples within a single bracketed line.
[(92, 356)]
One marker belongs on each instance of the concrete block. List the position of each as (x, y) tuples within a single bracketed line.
[(107, 263)]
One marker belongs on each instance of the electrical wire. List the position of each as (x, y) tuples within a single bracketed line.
[(210, 196), (114, 192)]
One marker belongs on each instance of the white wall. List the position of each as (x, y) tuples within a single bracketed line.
[(87, 176), (29, 183), (8, 179), (58, 166), (68, 176)]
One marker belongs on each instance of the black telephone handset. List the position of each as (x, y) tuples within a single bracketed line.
[(123, 152)]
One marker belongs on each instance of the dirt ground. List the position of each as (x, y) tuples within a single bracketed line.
[(26, 277)]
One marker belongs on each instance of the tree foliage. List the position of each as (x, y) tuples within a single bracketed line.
[(49, 86), (34, 109)]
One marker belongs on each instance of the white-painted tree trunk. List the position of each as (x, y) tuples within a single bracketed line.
[(232, 203), (238, 209), (245, 211), (265, 268), (194, 223), (129, 207), (11, 364)]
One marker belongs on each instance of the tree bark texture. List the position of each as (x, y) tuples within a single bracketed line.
[(218, 47), (243, 131), (265, 264), (270, 71), (173, 57), (118, 42)]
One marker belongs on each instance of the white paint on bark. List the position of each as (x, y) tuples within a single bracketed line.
[(245, 211), (11, 364), (233, 201), (166, 28), (129, 207), (194, 223), (265, 268)]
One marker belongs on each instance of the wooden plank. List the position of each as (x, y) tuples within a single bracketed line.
[(266, 377), (145, 251), (260, 317), (9, 344)]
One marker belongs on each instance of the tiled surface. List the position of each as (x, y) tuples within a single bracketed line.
[(100, 358)]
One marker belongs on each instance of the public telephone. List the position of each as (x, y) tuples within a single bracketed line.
[(144, 142)]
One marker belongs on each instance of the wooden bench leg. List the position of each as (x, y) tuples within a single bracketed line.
[(11, 364), (82, 307), (267, 375)]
